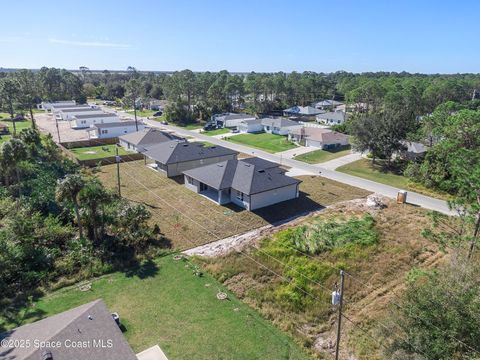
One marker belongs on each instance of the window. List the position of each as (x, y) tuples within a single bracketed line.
[(104, 131), (239, 195)]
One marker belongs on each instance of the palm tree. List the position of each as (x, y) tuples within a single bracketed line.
[(9, 91), (93, 196), (68, 188), (13, 151)]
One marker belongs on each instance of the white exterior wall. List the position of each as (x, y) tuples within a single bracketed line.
[(178, 168), (47, 106), (70, 115), (116, 131), (252, 128), (86, 123), (126, 145), (274, 196)]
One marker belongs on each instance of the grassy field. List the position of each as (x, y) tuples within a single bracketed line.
[(163, 303), (264, 141), (98, 152), (188, 219), (20, 125), (319, 156), (217, 132), (397, 249), (363, 168), (142, 113)]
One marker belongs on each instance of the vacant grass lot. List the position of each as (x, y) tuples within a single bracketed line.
[(188, 219), (98, 152), (20, 125), (142, 113), (382, 264), (365, 169), (216, 132), (264, 141), (163, 303), (320, 156)]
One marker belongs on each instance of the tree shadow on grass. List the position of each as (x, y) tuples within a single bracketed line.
[(142, 270)]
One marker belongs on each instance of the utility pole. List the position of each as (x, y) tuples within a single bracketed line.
[(339, 323), (135, 109), (58, 131), (117, 160)]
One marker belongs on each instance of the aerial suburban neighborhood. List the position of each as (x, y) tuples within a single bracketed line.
[(313, 201)]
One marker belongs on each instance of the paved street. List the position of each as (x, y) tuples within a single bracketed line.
[(386, 190)]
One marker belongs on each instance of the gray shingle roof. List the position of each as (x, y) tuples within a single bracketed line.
[(332, 115), (302, 110), (328, 103), (88, 322), (115, 124), (149, 137), (249, 178), (278, 122), (175, 151), (232, 116)]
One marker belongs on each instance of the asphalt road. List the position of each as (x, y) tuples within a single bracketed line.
[(413, 198)]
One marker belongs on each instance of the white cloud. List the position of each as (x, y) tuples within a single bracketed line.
[(89, 43)]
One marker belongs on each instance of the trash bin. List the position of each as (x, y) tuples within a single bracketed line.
[(402, 197)]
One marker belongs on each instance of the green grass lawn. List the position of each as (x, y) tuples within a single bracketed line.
[(163, 303), (142, 113), (363, 168), (319, 156), (98, 152), (20, 125), (217, 132), (264, 141)]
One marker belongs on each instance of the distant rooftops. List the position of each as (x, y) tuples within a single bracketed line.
[(333, 115), (303, 110), (79, 109), (91, 116), (176, 151), (115, 125), (325, 103), (149, 137)]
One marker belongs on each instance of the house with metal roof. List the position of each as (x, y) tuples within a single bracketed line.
[(139, 140), (172, 158), (249, 183), (332, 118), (114, 129), (67, 114), (318, 137), (278, 126)]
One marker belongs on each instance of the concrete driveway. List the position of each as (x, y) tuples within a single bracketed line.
[(344, 160)]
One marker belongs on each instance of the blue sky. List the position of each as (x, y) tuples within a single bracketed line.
[(246, 35)]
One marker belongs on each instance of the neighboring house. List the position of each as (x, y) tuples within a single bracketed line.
[(91, 322), (230, 120), (278, 126), (82, 121), (317, 137), (4, 129), (68, 113), (332, 118), (139, 140), (251, 126), (249, 184), (112, 130), (306, 113), (47, 105), (413, 150), (172, 158), (327, 104), (157, 105)]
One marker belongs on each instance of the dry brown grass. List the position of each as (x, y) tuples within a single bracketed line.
[(382, 267), (188, 219)]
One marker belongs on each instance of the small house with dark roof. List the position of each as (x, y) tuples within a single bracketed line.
[(230, 120), (250, 183), (172, 158), (306, 113), (139, 140), (113, 130), (85, 324)]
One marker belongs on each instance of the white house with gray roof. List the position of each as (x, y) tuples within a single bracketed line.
[(113, 130), (251, 126), (332, 118), (82, 121), (172, 158), (249, 183), (67, 114), (279, 126), (231, 120)]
